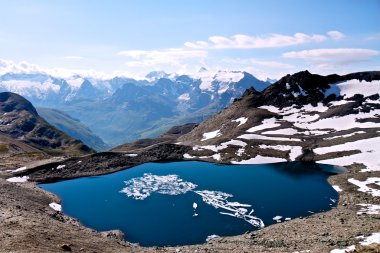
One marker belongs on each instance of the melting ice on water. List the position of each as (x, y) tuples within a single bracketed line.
[(142, 187)]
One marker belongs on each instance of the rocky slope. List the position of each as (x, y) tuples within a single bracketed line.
[(333, 119), (25, 136), (305, 117), (72, 127)]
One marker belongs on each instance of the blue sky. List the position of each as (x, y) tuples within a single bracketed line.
[(267, 38)]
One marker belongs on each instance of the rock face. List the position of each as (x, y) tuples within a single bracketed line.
[(122, 110), (21, 126), (329, 119)]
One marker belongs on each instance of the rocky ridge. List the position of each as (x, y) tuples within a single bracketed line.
[(335, 121)]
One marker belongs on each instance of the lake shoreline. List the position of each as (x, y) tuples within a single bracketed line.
[(28, 220)]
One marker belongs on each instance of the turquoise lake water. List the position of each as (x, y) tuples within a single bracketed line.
[(180, 203)]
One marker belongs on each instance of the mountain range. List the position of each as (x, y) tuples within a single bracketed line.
[(25, 136), (121, 109)]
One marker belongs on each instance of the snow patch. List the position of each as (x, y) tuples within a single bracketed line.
[(369, 155), (22, 179), (187, 156), (266, 124), (55, 206), (222, 146), (345, 135), (131, 155), (284, 131), (184, 97), (352, 87), (241, 120), (211, 135), (262, 137), (369, 209), (337, 188), (20, 169), (363, 185), (260, 159)]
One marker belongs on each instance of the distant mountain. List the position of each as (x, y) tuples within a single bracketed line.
[(122, 109), (72, 127), (302, 117), (20, 123)]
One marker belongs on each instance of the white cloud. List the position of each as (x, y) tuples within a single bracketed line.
[(336, 35), (265, 41), (173, 56), (256, 62), (7, 66), (339, 55), (73, 57)]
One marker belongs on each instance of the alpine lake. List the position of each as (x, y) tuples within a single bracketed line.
[(182, 203)]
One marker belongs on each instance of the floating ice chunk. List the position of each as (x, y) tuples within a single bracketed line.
[(218, 199), (195, 214), (288, 219), (277, 218), (142, 187), (241, 120), (363, 185), (55, 206), (211, 237), (211, 135), (337, 188), (22, 179), (195, 205), (369, 209)]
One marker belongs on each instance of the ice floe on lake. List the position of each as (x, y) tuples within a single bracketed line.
[(142, 187), (218, 199), (211, 237)]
